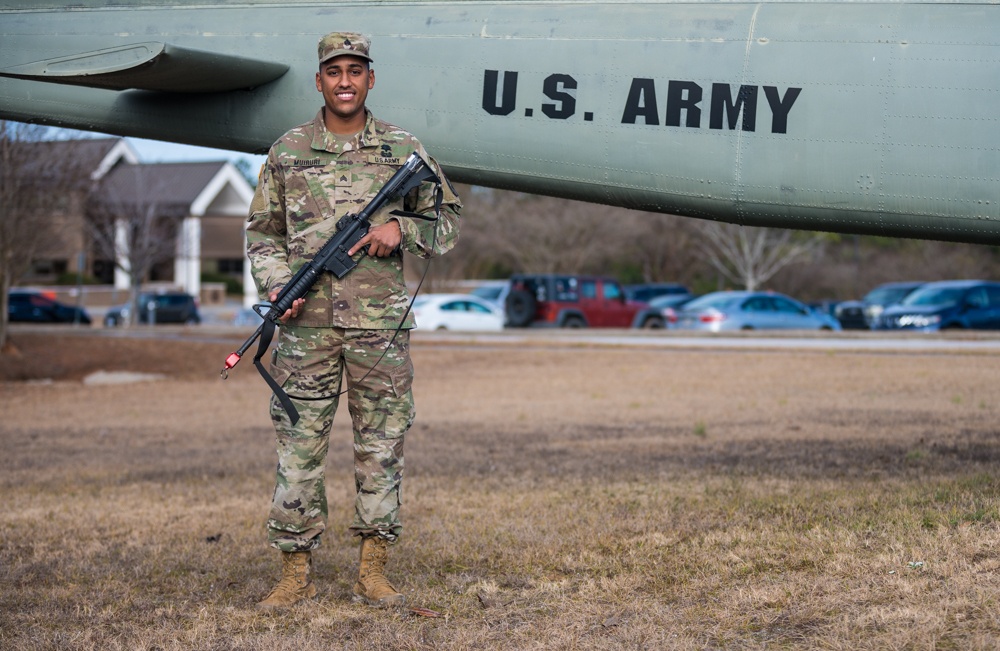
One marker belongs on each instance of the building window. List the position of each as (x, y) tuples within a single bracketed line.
[(48, 267), (104, 271), (231, 266)]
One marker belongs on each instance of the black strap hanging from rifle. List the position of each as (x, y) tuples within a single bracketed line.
[(266, 334), (350, 229)]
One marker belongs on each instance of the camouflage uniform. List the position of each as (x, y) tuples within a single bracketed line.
[(311, 180)]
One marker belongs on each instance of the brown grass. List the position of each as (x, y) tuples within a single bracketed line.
[(556, 498)]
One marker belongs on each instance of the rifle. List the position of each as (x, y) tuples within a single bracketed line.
[(332, 257)]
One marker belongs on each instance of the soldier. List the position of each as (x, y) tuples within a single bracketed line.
[(352, 328)]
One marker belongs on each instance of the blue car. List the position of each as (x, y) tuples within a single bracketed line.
[(946, 305)]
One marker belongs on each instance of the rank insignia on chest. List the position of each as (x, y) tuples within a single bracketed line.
[(343, 180), (385, 160)]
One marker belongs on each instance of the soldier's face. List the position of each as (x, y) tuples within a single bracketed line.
[(344, 82)]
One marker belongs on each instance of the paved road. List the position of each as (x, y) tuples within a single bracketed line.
[(861, 341), (218, 326)]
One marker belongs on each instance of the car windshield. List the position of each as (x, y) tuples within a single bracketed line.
[(709, 301), (886, 295), (935, 296)]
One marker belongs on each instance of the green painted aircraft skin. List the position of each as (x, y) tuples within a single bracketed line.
[(870, 117)]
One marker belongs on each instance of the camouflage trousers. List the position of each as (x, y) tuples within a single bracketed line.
[(311, 364)]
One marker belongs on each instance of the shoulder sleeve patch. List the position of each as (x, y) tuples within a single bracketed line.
[(260, 197)]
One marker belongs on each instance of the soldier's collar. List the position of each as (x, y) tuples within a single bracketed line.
[(325, 141)]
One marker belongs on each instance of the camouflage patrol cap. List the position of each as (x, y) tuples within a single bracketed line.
[(337, 44)]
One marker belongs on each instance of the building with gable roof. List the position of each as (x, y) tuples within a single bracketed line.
[(205, 203)]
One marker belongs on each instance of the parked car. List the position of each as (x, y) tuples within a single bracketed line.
[(572, 301), (665, 308), (160, 307), (862, 315), (494, 291), (456, 312), (646, 292), (32, 306), (825, 306), (946, 305), (721, 311)]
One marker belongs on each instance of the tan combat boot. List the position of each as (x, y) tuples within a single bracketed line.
[(372, 586), (295, 584)]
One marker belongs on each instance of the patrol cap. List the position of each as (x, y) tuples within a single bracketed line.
[(337, 44)]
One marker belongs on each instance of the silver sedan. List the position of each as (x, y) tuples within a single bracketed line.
[(722, 311)]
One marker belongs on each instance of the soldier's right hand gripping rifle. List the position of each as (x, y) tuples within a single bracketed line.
[(332, 257)]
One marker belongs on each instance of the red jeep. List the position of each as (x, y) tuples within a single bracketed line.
[(570, 301)]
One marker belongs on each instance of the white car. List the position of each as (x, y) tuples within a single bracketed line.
[(456, 312)]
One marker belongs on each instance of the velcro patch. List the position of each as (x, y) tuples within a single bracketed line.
[(385, 160)]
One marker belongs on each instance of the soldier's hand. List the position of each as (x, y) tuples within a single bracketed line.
[(381, 240), (293, 311)]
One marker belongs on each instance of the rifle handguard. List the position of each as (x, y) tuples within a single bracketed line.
[(292, 291)]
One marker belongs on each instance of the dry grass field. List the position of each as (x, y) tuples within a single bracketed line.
[(573, 497)]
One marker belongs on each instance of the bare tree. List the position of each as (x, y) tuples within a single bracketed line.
[(662, 247), (541, 234), (134, 222), (35, 184), (750, 256), (505, 232), (534, 234)]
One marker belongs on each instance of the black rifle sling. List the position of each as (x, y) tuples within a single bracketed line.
[(414, 215), (266, 333)]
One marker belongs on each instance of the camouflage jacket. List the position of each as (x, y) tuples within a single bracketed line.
[(307, 184)]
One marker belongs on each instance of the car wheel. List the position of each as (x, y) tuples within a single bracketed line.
[(574, 322), (653, 323), (746, 327), (520, 308)]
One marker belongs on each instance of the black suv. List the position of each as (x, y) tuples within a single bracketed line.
[(572, 301), (164, 307)]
